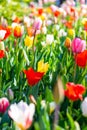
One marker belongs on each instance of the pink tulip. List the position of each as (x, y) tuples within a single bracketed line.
[(53, 8), (78, 45), (4, 103), (37, 24)]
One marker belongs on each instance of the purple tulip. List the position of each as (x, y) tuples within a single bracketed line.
[(78, 45)]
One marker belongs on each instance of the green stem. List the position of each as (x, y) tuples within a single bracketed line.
[(34, 91), (0, 80), (74, 75), (33, 49)]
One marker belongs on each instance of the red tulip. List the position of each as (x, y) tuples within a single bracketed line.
[(2, 54), (57, 13), (16, 20), (4, 103), (81, 59), (40, 11), (32, 76), (74, 91)]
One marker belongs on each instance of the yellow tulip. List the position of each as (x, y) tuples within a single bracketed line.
[(42, 17), (42, 67), (84, 20), (28, 41), (71, 33)]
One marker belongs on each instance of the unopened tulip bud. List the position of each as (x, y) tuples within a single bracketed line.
[(52, 106), (58, 91), (43, 104), (10, 94), (0, 71), (67, 42), (32, 99), (4, 103), (2, 46), (83, 35)]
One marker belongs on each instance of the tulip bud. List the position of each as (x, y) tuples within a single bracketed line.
[(4, 103), (2, 46), (32, 99), (84, 107), (58, 91), (10, 94), (83, 35), (78, 45), (43, 104), (67, 42), (52, 106)]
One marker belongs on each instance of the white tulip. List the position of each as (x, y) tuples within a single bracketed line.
[(84, 107), (62, 33), (2, 34), (22, 114), (49, 38), (44, 30)]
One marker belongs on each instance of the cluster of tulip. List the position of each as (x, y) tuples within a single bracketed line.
[(43, 68)]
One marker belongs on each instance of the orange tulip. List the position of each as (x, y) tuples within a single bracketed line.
[(18, 31)]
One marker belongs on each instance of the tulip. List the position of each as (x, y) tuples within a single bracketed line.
[(27, 21), (2, 54), (53, 8), (67, 42), (37, 24), (71, 33), (78, 45), (2, 34), (10, 94), (49, 38), (44, 30), (42, 67), (2, 46), (58, 91), (4, 104), (28, 41), (33, 77), (84, 107), (5, 32), (62, 33), (18, 31), (81, 59), (74, 91), (22, 114)]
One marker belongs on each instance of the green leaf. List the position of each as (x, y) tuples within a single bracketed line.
[(71, 121), (58, 128)]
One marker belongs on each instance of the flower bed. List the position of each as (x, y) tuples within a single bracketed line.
[(43, 67)]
